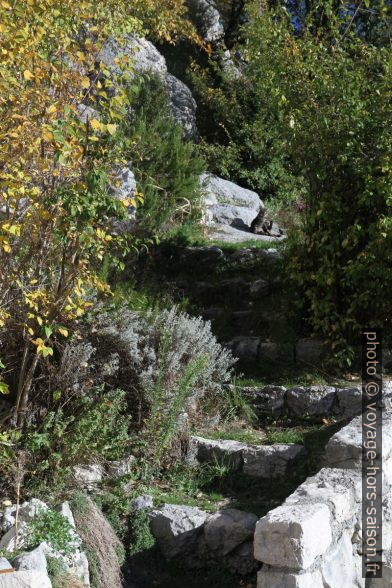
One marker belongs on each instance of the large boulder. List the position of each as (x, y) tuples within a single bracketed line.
[(207, 19), (146, 58), (183, 106), (227, 203)]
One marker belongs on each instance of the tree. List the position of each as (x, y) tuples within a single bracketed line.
[(55, 210)]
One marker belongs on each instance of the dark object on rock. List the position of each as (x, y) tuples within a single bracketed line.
[(261, 226)]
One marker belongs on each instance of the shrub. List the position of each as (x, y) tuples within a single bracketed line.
[(166, 167), (241, 137), (55, 529), (91, 427), (141, 537), (332, 102), (166, 361)]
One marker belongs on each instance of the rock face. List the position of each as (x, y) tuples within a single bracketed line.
[(207, 19), (183, 106), (227, 203), (146, 58)]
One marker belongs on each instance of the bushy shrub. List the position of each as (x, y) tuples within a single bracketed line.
[(86, 427), (330, 97), (166, 361), (55, 529), (167, 168)]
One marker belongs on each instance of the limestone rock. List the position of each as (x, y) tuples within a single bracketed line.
[(207, 19), (31, 560), (183, 106), (315, 401), (344, 449), (142, 502), (268, 578), (338, 568), (5, 564), (211, 450), (269, 400), (120, 467), (349, 401), (270, 461), (203, 255), (144, 56), (27, 511), (289, 536), (25, 579), (227, 529), (177, 528), (65, 510), (339, 489), (251, 254), (227, 203), (89, 475)]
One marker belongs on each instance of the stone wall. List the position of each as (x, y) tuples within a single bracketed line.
[(313, 540)]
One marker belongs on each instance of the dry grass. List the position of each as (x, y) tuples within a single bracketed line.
[(101, 544), (66, 580)]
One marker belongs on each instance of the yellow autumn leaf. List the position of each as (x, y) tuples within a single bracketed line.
[(52, 109), (7, 247), (95, 124), (28, 75), (86, 83), (47, 135), (5, 5), (39, 320), (63, 331), (111, 128)]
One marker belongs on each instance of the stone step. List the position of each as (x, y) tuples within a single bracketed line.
[(256, 349), (258, 461), (195, 537), (310, 402), (236, 292)]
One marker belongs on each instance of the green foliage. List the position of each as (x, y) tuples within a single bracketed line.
[(167, 168), (141, 536), (333, 103), (241, 138), (92, 427), (55, 529)]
